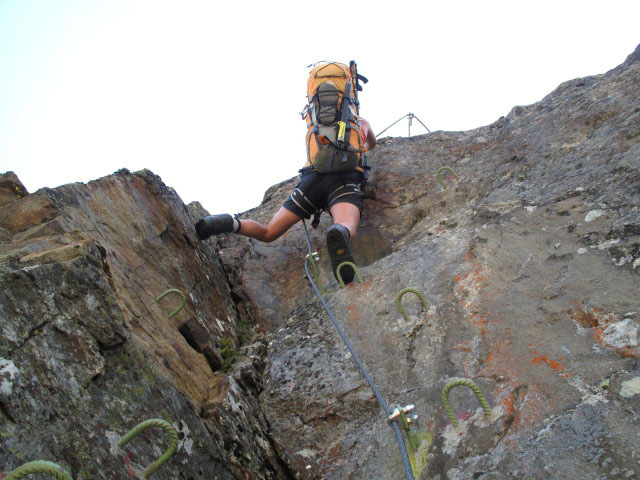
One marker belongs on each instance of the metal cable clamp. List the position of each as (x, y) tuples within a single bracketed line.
[(401, 414)]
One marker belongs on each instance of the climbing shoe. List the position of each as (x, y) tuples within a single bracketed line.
[(213, 225), (340, 251)]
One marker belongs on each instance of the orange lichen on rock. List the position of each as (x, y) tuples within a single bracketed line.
[(585, 319), (508, 404), (354, 317), (628, 352), (599, 320), (469, 285), (480, 320), (463, 346), (489, 358), (470, 282), (551, 363), (525, 407), (541, 358)]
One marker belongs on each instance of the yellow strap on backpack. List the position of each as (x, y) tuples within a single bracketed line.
[(342, 129)]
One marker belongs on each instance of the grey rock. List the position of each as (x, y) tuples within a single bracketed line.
[(197, 335), (500, 255), (87, 353), (526, 297)]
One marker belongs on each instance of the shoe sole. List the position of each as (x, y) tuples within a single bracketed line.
[(200, 230), (339, 252)]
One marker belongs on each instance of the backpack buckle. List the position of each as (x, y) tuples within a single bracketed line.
[(324, 140), (305, 111)]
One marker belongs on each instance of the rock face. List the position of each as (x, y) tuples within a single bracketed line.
[(87, 353), (529, 261)]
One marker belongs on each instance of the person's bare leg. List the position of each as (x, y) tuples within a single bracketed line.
[(282, 221), (346, 214)]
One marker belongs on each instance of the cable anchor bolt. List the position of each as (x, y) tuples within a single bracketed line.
[(313, 256), (401, 413)]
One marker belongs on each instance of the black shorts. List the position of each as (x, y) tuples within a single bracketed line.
[(320, 191)]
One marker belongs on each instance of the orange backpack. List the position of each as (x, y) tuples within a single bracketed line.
[(334, 139)]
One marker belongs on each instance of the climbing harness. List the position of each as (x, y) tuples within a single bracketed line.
[(178, 292), (442, 169), (474, 388), (350, 264), (402, 293), (40, 466), (173, 442), (411, 117)]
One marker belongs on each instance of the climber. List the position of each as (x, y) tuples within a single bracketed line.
[(333, 175)]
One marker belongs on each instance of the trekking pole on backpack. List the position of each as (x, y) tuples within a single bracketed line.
[(344, 117), (344, 131), (354, 74), (357, 77)]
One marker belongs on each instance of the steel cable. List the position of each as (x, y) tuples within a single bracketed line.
[(365, 374), (410, 115)]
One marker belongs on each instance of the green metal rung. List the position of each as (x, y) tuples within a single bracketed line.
[(40, 466), (402, 293), (169, 452), (350, 264), (177, 292), (442, 169), (474, 388)]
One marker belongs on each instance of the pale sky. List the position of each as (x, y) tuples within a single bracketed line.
[(206, 94)]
